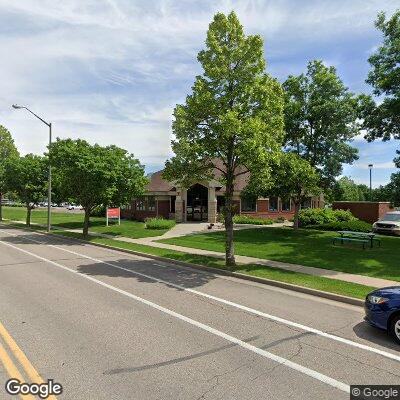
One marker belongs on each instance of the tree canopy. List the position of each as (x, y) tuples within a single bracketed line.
[(348, 190), (392, 189), (382, 120), (292, 178), (321, 119), (92, 175), (233, 119), (7, 152), (27, 177)]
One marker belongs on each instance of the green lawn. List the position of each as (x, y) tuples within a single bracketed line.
[(73, 220), (314, 282), (306, 247)]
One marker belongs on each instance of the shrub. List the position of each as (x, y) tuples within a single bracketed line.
[(318, 216), (280, 219), (159, 223), (353, 225), (244, 219)]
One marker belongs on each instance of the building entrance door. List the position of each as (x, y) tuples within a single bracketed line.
[(197, 203)]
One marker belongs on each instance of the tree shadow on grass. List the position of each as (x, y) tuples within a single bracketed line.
[(77, 224), (306, 247)]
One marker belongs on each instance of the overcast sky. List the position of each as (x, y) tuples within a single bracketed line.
[(111, 71)]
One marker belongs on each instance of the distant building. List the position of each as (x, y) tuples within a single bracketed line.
[(203, 201), (368, 211)]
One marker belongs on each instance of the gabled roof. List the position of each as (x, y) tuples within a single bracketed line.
[(158, 184)]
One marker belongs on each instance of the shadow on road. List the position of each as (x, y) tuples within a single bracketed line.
[(123, 267), (367, 332), (175, 360), (129, 268)]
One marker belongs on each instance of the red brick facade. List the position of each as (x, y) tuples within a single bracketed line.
[(204, 201), (364, 210)]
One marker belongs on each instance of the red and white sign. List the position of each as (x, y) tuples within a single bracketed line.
[(113, 213)]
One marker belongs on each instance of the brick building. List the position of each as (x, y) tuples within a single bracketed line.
[(369, 211), (203, 201)]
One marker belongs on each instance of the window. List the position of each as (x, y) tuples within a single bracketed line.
[(249, 205), (151, 203), (140, 204), (306, 203), (286, 205), (126, 207), (273, 204)]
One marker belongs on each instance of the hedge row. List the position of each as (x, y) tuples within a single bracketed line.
[(159, 223), (244, 219), (318, 216), (355, 226)]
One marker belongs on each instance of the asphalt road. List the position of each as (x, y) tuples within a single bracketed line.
[(108, 325)]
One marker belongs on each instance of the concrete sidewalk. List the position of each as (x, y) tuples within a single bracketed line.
[(326, 273), (185, 229)]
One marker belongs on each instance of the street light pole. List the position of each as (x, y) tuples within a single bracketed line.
[(17, 107), (370, 166), (49, 188)]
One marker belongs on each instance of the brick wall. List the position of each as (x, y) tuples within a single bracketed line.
[(364, 210), (262, 206)]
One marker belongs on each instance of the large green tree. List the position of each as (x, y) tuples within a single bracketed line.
[(27, 177), (93, 175), (382, 119), (348, 190), (293, 178), (321, 120), (232, 121), (393, 189), (7, 152)]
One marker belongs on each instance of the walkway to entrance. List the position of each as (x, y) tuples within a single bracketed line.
[(189, 228)]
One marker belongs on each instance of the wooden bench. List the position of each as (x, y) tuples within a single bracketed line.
[(364, 242)]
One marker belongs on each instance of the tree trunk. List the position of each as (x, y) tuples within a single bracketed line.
[(28, 214), (1, 206), (229, 247), (86, 223), (296, 215)]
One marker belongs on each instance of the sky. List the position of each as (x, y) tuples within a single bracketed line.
[(111, 71)]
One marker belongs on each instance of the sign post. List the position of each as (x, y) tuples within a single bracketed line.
[(113, 213)]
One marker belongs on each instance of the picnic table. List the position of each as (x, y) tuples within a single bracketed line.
[(364, 238)]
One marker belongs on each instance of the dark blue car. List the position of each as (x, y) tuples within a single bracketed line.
[(382, 310)]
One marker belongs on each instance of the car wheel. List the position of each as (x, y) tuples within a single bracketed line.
[(395, 328)]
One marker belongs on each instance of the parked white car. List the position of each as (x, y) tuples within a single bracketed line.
[(390, 223), (74, 207)]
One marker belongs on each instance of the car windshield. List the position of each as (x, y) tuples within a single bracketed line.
[(391, 217)]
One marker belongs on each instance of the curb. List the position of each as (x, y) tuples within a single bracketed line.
[(265, 281), (289, 286)]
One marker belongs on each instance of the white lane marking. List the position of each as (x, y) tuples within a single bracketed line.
[(280, 360), (232, 304)]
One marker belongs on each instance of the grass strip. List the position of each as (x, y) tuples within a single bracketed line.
[(296, 278)]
